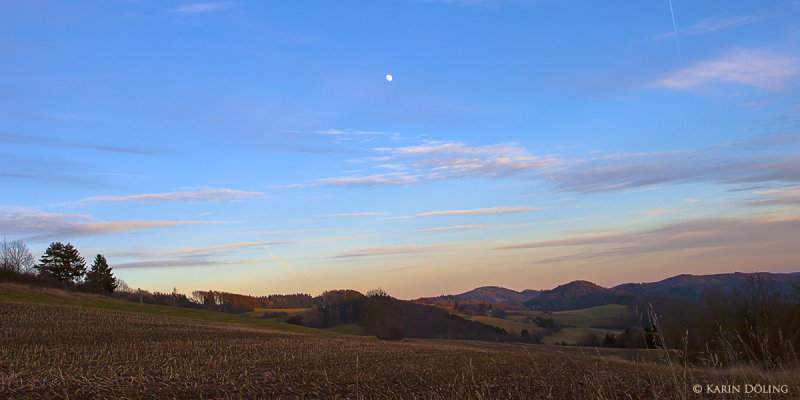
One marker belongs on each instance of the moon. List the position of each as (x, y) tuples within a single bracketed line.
[(389, 78)]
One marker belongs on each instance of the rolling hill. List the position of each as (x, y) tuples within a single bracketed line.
[(500, 295), (424, 321), (577, 295), (584, 294), (692, 287)]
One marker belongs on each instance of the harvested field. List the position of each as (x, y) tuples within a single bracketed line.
[(49, 351)]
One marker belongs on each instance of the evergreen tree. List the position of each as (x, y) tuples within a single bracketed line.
[(62, 262), (99, 278)]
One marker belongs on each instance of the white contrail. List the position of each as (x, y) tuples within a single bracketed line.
[(291, 271), (295, 273), (675, 32)]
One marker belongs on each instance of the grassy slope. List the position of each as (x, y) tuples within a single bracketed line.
[(260, 311), (606, 311), (25, 294), (348, 329), (512, 327), (584, 318)]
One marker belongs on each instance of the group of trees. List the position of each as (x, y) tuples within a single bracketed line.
[(630, 338), (754, 322), (331, 308), (376, 311), (239, 303), (757, 322), (61, 263), (473, 307), (173, 299), (381, 315)]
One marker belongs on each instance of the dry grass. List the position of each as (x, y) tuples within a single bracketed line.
[(51, 351)]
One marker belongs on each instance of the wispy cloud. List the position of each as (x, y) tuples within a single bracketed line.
[(392, 178), (355, 214), (341, 215), (288, 186), (479, 211), (50, 177), (455, 148), (745, 67), (177, 262), (433, 160), (712, 24), (338, 238), (7, 138), (290, 232), (203, 7), (776, 198), (759, 159), (194, 251), (574, 241), (340, 132), (699, 233), (191, 262), (227, 246), (208, 256), (38, 225), (456, 159), (454, 228), (201, 194), (388, 250)]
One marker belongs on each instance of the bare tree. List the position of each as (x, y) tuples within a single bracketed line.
[(377, 293), (15, 257), (122, 286)]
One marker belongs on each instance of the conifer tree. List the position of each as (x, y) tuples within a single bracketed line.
[(62, 262), (99, 278)]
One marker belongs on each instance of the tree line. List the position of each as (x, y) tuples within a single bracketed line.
[(60, 264), (239, 303), (756, 322), (376, 311)]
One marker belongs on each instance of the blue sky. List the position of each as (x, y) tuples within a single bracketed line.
[(257, 147)]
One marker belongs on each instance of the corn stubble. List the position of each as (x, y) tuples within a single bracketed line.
[(65, 352)]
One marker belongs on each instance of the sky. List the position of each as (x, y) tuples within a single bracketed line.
[(257, 147)]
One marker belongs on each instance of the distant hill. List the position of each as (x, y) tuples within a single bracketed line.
[(692, 287), (467, 306), (583, 294), (577, 295), (496, 294)]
